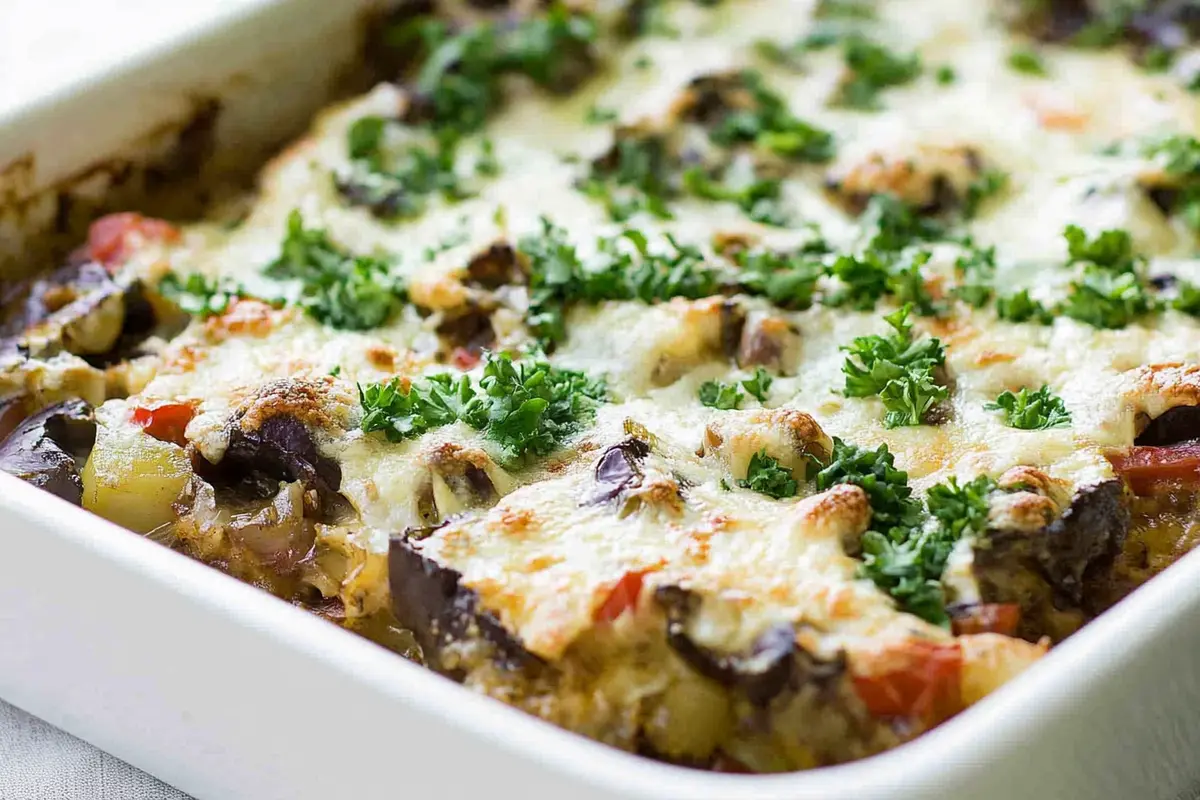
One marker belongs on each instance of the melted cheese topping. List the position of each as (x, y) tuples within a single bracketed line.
[(544, 558)]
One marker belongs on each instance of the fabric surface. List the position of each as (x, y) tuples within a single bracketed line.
[(40, 762)]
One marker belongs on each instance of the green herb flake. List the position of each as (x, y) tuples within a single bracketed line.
[(527, 408), (597, 115), (765, 476), (1028, 62), (897, 368), (1187, 298), (200, 296), (721, 396), (1021, 307), (336, 288), (1032, 411), (871, 69), (759, 384)]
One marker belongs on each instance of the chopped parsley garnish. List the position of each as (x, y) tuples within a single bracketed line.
[(989, 184), (397, 185), (1179, 156), (1028, 62), (559, 277), (1104, 299), (864, 278), (1187, 298), (897, 368), (872, 68), (336, 288), (597, 115), (759, 198), (759, 384), (904, 552), (200, 296), (769, 124), (845, 9), (786, 279), (527, 407), (1111, 292), (1111, 249), (405, 409), (721, 396), (907, 283), (1021, 307), (945, 75), (976, 269), (636, 175), (1032, 411), (459, 81), (911, 569), (765, 476), (892, 225), (728, 396), (873, 471)]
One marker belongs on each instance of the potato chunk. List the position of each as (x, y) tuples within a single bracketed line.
[(132, 478)]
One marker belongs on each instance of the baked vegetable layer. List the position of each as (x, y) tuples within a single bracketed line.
[(752, 385)]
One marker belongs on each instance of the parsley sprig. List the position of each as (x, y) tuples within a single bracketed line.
[(897, 368), (908, 543), (727, 396), (765, 475), (625, 268), (871, 68), (398, 185), (1032, 411), (200, 296), (336, 288), (768, 123), (527, 407)]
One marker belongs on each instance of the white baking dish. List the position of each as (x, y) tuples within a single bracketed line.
[(227, 693)]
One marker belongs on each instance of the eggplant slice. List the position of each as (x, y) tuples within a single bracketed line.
[(430, 600), (1046, 571), (49, 448)]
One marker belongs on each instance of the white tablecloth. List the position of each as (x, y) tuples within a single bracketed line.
[(39, 762)]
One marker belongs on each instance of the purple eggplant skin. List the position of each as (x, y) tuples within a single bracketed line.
[(48, 448), (1175, 425), (616, 469), (281, 449), (1048, 571), (430, 600), (773, 665)]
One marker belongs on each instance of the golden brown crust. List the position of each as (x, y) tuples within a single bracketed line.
[(316, 402), (926, 176)]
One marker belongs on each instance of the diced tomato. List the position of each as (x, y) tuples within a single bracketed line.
[(465, 359), (166, 422), (917, 678), (622, 596), (112, 239), (1145, 466), (987, 618)]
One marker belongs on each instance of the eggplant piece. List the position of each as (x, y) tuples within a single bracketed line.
[(80, 309), (1173, 426), (471, 330), (773, 665), (495, 267), (281, 449), (618, 469), (430, 600), (48, 449), (1046, 571)]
